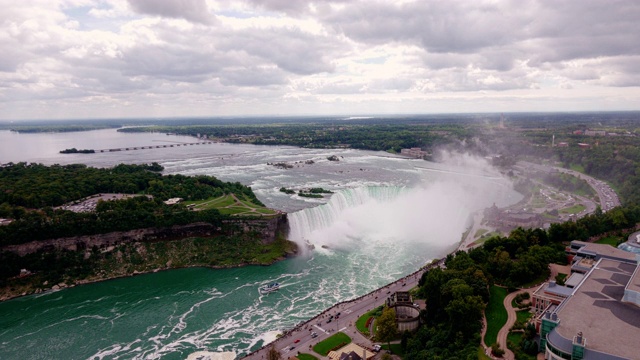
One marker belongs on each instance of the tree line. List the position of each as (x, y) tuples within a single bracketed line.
[(372, 136), (31, 191)]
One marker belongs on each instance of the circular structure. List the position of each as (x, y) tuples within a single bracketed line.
[(407, 317)]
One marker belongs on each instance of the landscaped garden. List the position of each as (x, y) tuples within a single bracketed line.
[(496, 314), (331, 343)]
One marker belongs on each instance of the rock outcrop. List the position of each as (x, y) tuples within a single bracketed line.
[(265, 229)]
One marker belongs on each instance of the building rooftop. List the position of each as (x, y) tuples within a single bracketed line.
[(349, 348), (634, 282), (609, 326), (552, 288), (604, 251), (574, 280)]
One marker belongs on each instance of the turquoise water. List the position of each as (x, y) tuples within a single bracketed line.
[(171, 314)]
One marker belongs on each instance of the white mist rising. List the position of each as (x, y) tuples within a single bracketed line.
[(434, 212)]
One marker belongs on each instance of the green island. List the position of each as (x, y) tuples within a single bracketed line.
[(76, 151), (91, 212)]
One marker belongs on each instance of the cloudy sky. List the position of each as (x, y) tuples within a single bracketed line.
[(165, 58)]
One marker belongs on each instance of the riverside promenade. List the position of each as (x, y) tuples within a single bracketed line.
[(299, 340)]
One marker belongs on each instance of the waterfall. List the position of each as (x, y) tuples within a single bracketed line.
[(436, 214)]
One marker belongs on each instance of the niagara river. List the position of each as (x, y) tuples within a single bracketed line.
[(388, 216)]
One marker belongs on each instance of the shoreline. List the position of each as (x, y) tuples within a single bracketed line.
[(376, 296), (136, 273)]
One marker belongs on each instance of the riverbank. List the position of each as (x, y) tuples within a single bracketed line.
[(299, 339), (141, 258)]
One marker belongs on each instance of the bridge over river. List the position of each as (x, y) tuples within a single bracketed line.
[(131, 148)]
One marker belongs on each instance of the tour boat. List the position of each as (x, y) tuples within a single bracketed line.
[(269, 288)]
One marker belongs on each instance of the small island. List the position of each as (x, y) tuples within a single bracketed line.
[(76, 151), (309, 193)]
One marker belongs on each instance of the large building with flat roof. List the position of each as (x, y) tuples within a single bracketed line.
[(599, 318)]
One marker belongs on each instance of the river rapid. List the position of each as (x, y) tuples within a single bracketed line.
[(389, 215)]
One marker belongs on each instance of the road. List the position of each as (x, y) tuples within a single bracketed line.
[(349, 311), (607, 196)]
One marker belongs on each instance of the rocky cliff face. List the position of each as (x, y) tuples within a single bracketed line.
[(265, 229)]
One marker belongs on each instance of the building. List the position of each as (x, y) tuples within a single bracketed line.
[(596, 314), (595, 133), (173, 201), (505, 220), (407, 313), (351, 352), (415, 152)]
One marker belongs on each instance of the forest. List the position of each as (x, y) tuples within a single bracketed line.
[(33, 191)]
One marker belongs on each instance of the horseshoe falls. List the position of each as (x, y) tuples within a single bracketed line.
[(387, 220)]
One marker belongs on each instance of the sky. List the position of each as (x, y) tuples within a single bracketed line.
[(69, 59)]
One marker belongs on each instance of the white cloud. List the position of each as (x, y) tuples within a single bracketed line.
[(191, 10), (191, 57)]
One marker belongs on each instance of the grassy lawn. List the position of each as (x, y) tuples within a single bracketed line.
[(337, 340), (304, 356), (513, 339), (362, 320), (496, 314), (576, 167), (481, 354), (523, 316), (396, 349), (513, 342), (227, 205), (480, 232), (485, 237), (609, 240), (573, 209)]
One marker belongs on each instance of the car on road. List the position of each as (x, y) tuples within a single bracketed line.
[(314, 334), (297, 341), (291, 348)]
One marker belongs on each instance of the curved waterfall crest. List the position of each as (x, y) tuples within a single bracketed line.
[(304, 222)]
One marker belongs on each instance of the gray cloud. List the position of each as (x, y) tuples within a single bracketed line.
[(290, 49), (191, 10), (292, 53)]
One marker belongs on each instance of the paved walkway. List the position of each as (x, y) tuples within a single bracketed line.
[(511, 319)]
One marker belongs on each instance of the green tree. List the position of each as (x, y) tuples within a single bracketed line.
[(386, 326), (273, 354)]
